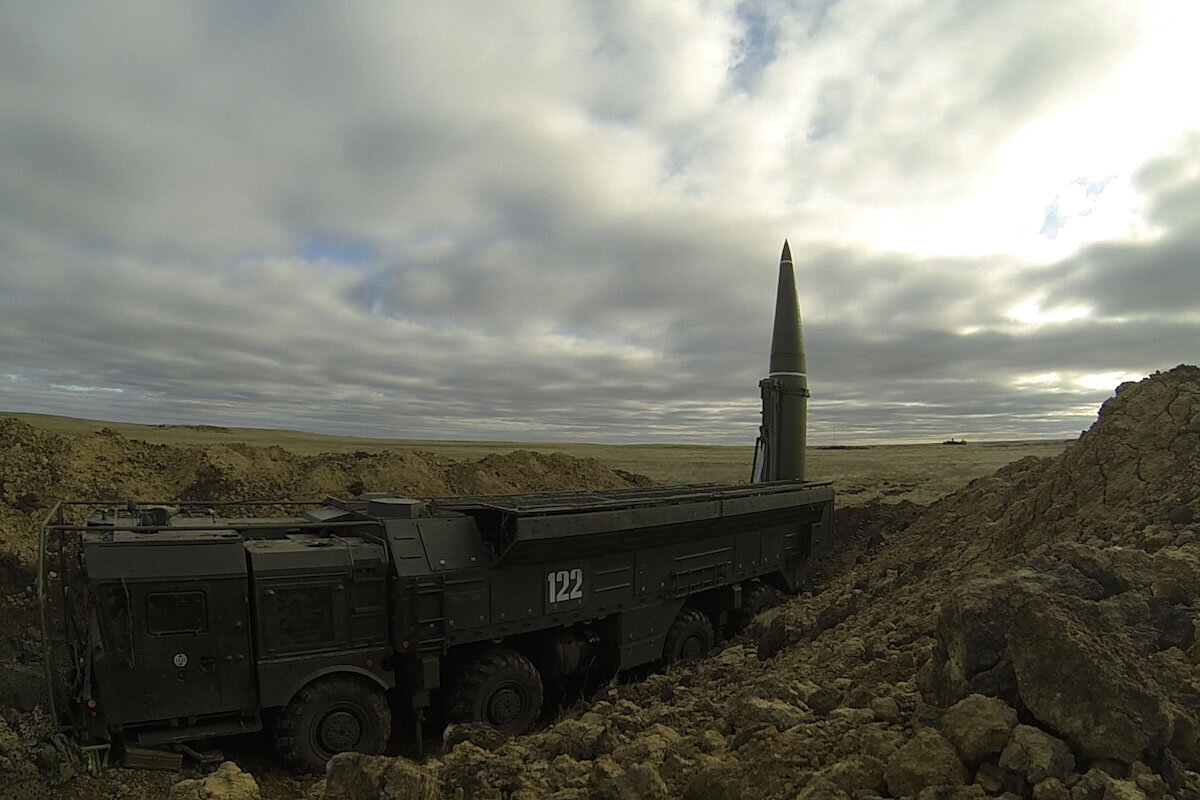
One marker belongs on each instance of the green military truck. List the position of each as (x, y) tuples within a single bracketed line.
[(177, 624), (174, 624)]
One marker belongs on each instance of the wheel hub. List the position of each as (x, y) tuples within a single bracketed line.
[(504, 706), (340, 731), (693, 648)]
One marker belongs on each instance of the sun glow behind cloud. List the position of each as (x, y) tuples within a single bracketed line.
[(1099, 135), (1030, 312), (1069, 382)]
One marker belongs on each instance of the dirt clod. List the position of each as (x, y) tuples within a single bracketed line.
[(1036, 755), (979, 727), (927, 760), (353, 775), (226, 782)]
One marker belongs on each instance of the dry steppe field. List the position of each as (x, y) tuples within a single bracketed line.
[(918, 472)]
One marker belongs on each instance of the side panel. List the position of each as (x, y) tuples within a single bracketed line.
[(302, 614), (801, 543), (748, 552), (630, 594), (419, 621), (822, 532), (612, 581), (772, 555), (408, 553), (697, 569), (452, 543), (639, 634), (561, 592), (516, 595), (319, 607), (467, 600)]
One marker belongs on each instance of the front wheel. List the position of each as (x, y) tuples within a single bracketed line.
[(500, 687), (330, 716)]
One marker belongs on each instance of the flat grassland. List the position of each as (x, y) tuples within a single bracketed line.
[(918, 472)]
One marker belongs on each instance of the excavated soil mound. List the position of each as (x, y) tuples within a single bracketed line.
[(1032, 635), (38, 468)]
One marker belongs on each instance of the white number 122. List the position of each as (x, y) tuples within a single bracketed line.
[(565, 585)]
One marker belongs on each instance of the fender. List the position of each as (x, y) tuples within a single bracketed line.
[(284, 692), (640, 632)]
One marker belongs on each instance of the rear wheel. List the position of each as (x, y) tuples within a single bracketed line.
[(499, 687), (757, 597), (689, 638), (330, 716)]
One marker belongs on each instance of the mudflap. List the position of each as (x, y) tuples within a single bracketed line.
[(640, 632)]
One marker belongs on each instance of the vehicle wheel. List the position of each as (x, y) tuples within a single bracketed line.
[(330, 716), (689, 638), (757, 597), (501, 688)]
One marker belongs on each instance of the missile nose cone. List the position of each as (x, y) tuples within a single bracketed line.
[(787, 340)]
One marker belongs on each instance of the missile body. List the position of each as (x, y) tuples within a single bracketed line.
[(783, 434)]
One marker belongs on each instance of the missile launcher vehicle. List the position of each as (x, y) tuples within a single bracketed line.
[(169, 624)]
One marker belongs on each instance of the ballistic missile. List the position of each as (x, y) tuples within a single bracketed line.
[(782, 436)]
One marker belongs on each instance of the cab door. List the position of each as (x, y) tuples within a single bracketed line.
[(195, 656), (175, 622)]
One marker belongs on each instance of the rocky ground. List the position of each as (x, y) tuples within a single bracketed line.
[(1030, 636)]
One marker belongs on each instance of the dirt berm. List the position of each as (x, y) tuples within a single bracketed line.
[(1032, 635)]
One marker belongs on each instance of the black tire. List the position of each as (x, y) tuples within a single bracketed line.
[(757, 597), (499, 687), (329, 716), (689, 638)]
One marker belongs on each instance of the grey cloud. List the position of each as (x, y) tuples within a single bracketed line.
[(568, 236), (1172, 181), (929, 88), (1132, 280), (1151, 278), (834, 107)]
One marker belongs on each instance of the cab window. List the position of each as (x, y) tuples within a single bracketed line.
[(176, 612)]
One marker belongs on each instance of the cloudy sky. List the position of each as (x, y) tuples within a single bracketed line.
[(562, 221)]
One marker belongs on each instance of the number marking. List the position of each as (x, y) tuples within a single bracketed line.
[(564, 585)]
